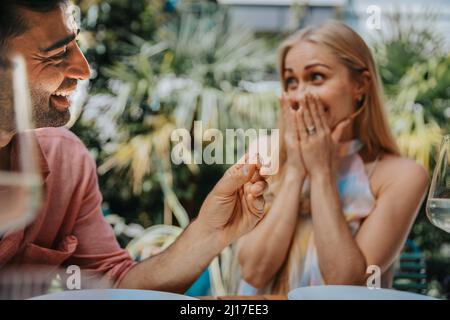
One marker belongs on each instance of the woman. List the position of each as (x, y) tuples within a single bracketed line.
[(343, 198)]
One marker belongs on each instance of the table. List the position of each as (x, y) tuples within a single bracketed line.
[(121, 294), (263, 297), (112, 294), (306, 293)]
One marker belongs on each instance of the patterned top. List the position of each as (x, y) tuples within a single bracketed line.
[(357, 201)]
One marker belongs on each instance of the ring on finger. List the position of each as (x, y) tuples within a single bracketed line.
[(311, 130)]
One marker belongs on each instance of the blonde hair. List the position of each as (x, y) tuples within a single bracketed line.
[(370, 126)]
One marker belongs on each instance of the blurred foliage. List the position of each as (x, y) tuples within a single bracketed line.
[(157, 68), (154, 77), (414, 66)]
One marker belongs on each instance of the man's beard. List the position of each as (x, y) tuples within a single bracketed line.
[(7, 116), (45, 114)]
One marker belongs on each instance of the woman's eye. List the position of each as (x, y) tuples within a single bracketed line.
[(316, 77), (290, 82)]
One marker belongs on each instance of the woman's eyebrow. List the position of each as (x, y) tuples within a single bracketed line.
[(288, 70), (316, 64)]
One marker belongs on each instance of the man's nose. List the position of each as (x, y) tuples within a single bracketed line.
[(78, 67)]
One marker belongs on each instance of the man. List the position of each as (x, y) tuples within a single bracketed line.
[(70, 229)]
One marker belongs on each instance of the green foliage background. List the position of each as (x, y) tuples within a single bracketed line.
[(142, 44)]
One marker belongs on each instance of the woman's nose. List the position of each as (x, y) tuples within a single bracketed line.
[(296, 96)]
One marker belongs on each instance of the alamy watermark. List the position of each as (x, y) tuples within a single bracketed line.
[(374, 280), (373, 21), (212, 146), (73, 281)]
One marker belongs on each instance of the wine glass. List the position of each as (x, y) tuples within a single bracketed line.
[(20, 180), (438, 203)]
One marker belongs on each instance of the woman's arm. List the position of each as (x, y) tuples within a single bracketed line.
[(262, 252), (344, 259)]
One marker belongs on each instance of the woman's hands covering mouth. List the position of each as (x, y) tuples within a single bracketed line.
[(310, 140), (318, 142)]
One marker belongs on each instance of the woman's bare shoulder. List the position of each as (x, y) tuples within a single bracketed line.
[(400, 172), (401, 165)]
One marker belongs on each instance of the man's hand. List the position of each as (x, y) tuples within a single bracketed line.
[(233, 208), (236, 204)]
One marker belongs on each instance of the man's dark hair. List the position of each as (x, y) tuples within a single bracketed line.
[(11, 22)]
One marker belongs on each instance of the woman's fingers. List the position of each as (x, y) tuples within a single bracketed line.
[(301, 125), (289, 117), (293, 103), (321, 113), (253, 193), (255, 204), (313, 109), (307, 117), (320, 107), (248, 207), (258, 188), (250, 204), (339, 130), (285, 109)]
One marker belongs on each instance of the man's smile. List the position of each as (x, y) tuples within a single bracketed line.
[(60, 99)]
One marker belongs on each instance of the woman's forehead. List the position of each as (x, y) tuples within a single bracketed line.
[(305, 53)]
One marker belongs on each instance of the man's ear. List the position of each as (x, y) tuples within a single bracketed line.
[(362, 83)]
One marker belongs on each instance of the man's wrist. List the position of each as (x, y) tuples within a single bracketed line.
[(215, 238)]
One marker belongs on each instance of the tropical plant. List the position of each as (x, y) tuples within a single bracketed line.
[(163, 69), (190, 68), (191, 71), (414, 64)]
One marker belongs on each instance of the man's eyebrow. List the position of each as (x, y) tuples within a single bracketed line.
[(316, 64), (61, 43)]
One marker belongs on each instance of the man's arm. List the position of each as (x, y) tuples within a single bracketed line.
[(176, 268), (233, 208)]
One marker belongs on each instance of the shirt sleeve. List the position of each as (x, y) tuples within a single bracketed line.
[(97, 250)]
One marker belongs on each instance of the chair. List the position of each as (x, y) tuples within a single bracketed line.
[(159, 237), (411, 271)]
